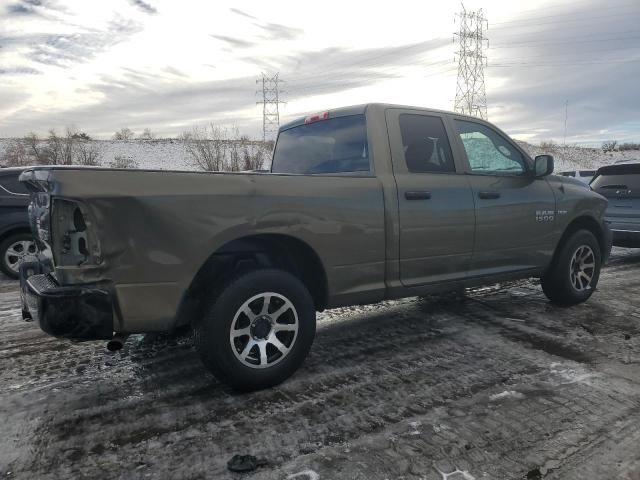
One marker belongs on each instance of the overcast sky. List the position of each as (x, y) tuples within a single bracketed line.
[(171, 65)]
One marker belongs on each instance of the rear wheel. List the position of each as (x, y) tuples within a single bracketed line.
[(258, 330), (12, 251), (574, 276)]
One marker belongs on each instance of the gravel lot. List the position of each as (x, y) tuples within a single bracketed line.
[(496, 384)]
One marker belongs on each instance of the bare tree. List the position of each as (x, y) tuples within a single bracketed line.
[(68, 146), (234, 150), (258, 158), (609, 145), (207, 147), (124, 134), (629, 146), (147, 134), (55, 149), (16, 154), (548, 145), (87, 153), (247, 164), (35, 149)]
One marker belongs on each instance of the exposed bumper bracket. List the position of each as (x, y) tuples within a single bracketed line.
[(82, 312)]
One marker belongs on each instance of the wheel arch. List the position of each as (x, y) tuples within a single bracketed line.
[(583, 222), (12, 230), (248, 253)]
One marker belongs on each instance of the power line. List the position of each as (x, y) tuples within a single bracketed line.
[(529, 19), (471, 97), (319, 88), (549, 64), (563, 21), (562, 41), (270, 105), (563, 5), (336, 75)]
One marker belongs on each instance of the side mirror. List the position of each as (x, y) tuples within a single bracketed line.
[(543, 165)]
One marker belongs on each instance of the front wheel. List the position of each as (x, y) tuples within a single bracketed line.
[(574, 276), (258, 330)]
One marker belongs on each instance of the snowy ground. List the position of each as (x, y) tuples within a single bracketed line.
[(497, 384)]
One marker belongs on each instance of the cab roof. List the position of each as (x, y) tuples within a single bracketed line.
[(361, 109)]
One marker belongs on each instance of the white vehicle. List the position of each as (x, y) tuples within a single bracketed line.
[(583, 175)]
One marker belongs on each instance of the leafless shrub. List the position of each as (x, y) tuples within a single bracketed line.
[(147, 134), (123, 161), (16, 154), (234, 150), (124, 134), (36, 150), (609, 145), (548, 145), (207, 147), (629, 146), (60, 149), (87, 153), (54, 149)]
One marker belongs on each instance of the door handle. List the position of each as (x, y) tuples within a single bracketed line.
[(417, 195), (489, 195)]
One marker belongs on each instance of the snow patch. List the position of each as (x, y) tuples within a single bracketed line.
[(570, 375), (461, 474), (304, 475), (506, 394), (414, 426)]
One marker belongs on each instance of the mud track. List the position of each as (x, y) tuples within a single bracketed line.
[(495, 384)]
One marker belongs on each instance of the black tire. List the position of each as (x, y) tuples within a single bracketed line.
[(4, 246), (212, 334), (557, 283)]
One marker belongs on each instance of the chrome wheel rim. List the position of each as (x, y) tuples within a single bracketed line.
[(264, 330), (582, 268), (16, 252)]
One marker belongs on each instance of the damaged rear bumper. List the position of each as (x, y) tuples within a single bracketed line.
[(79, 312)]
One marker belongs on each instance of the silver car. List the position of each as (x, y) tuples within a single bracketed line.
[(620, 183)]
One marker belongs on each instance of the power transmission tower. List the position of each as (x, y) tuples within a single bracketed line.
[(270, 105), (471, 97)]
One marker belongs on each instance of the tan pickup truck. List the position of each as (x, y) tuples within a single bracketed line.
[(361, 204)]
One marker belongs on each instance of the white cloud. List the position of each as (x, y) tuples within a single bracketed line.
[(169, 65)]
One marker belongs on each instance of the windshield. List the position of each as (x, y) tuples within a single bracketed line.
[(337, 145)]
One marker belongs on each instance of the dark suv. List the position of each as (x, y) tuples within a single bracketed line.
[(620, 183), (15, 235)]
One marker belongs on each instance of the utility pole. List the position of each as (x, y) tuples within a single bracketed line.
[(566, 115), (270, 105), (471, 97)]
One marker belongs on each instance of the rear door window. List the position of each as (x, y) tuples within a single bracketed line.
[(336, 145), (425, 143)]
